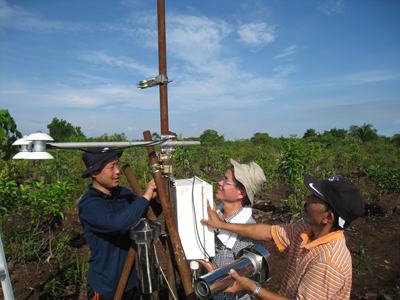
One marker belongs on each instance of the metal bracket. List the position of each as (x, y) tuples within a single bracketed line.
[(166, 149), (166, 169), (160, 79), (164, 157), (155, 168)]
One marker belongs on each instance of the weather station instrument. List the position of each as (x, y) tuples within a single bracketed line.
[(183, 201)]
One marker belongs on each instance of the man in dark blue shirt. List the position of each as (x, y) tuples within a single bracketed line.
[(107, 213)]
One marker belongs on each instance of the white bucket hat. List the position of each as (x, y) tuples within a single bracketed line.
[(251, 176)]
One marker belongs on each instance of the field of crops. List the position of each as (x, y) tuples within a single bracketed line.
[(38, 197)]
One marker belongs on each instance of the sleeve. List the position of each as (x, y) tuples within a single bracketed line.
[(321, 281), (97, 217), (283, 235)]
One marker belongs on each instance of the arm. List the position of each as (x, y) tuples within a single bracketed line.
[(261, 232), (99, 217), (245, 284)]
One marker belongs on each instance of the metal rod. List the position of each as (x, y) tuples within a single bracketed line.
[(162, 67), (256, 262), (126, 272), (166, 241), (173, 232), (170, 272), (169, 143)]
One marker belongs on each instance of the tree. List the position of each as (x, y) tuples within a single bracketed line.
[(260, 138), (310, 133), (339, 133), (365, 133), (155, 136), (211, 138), (8, 135), (396, 139), (61, 131)]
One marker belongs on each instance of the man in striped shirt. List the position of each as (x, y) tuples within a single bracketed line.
[(319, 264)]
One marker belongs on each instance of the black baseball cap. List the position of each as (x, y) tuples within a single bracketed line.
[(341, 194), (94, 157)]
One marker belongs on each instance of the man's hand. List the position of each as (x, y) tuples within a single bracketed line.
[(240, 284), (245, 284), (213, 220), (207, 265), (150, 192)]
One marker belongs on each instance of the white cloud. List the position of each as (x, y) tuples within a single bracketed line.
[(15, 17), (332, 7), (367, 77), (195, 39), (256, 34), (88, 78), (60, 97), (287, 51), (99, 57), (283, 71)]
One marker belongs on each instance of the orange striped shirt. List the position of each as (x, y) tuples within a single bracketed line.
[(321, 269)]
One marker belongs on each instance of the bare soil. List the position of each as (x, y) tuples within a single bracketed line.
[(373, 241)]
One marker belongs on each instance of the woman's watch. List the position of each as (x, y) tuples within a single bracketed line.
[(256, 290)]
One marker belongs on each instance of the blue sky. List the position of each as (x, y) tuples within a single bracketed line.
[(238, 67)]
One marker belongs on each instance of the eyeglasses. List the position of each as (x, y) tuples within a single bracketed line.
[(225, 181)]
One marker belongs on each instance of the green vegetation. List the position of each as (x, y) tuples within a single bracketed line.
[(35, 195), (61, 131), (363, 261), (8, 135)]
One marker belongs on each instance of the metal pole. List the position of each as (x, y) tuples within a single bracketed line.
[(162, 66), (170, 266), (126, 272), (169, 143), (169, 217), (4, 275)]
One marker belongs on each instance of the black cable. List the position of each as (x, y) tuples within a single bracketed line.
[(193, 207)]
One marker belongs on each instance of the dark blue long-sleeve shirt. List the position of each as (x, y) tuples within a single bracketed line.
[(106, 221)]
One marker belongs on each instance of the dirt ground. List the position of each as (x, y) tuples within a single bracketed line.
[(373, 241)]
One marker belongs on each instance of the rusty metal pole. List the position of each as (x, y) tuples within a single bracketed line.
[(126, 272), (162, 67), (169, 217), (170, 266), (130, 259)]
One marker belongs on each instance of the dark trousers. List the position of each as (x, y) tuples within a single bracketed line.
[(133, 294)]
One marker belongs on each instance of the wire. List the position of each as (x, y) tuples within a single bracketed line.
[(162, 272), (194, 209)]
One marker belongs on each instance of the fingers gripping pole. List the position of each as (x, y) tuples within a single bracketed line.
[(137, 189)]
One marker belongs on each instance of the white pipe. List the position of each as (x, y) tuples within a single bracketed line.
[(5, 276)]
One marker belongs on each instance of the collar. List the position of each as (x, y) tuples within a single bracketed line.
[(114, 192), (220, 211), (336, 235)]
